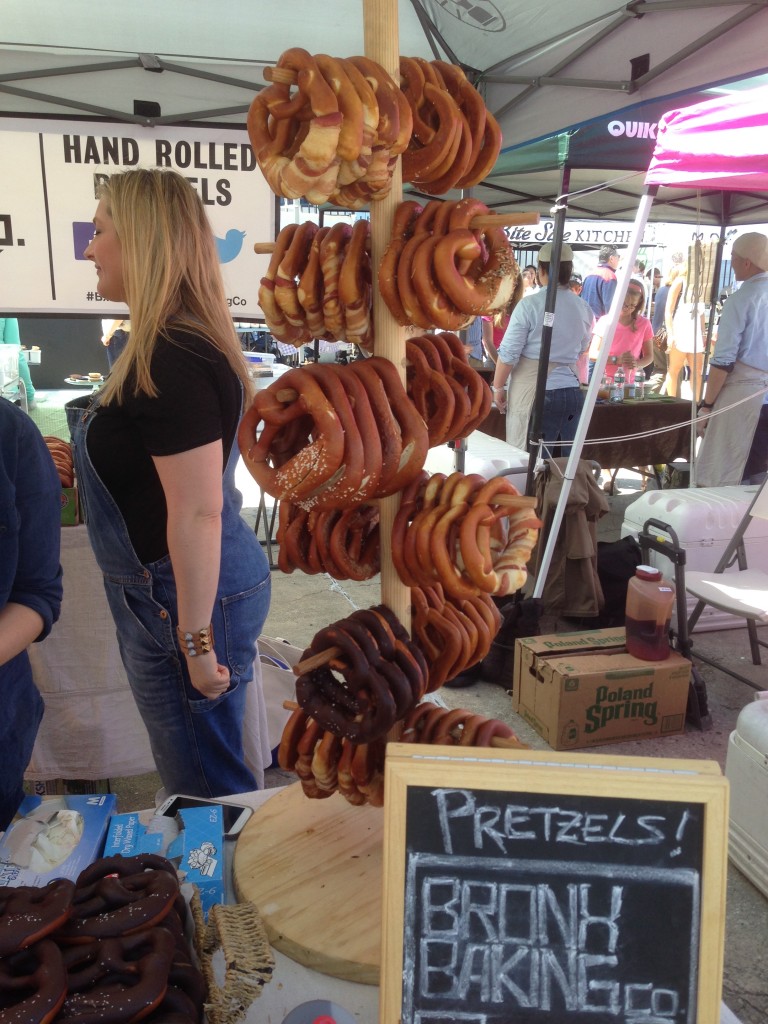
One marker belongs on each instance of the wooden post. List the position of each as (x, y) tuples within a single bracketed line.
[(380, 24)]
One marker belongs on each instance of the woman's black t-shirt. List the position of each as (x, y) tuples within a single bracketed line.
[(198, 402)]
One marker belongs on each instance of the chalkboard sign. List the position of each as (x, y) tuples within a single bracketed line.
[(529, 888)]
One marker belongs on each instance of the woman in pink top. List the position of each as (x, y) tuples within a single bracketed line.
[(495, 325), (632, 344)]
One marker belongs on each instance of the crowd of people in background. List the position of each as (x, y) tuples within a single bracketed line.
[(662, 329)]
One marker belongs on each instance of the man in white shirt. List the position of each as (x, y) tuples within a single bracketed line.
[(738, 369)]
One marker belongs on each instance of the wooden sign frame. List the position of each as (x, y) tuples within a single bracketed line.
[(647, 836)]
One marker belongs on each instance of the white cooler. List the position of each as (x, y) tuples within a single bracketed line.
[(746, 768), (485, 455), (704, 519)]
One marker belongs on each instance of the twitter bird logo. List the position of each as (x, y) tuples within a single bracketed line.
[(230, 245)]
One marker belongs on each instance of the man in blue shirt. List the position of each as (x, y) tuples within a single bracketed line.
[(738, 369), (599, 286)]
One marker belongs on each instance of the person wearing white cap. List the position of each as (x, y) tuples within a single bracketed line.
[(519, 358), (738, 369)]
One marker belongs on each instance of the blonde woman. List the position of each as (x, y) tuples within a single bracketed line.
[(658, 379), (685, 338), (155, 452)]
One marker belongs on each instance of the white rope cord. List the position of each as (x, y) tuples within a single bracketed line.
[(733, 405), (642, 435)]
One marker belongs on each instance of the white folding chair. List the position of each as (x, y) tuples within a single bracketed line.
[(11, 384), (742, 593)]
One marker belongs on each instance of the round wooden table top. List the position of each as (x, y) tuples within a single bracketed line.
[(313, 868)]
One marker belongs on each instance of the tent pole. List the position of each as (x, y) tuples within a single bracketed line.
[(534, 426), (641, 219), (714, 295)]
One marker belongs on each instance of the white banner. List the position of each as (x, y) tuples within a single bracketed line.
[(586, 233), (49, 172)]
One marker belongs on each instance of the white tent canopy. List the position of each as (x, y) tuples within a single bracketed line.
[(543, 66)]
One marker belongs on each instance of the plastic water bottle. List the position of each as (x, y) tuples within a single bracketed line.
[(617, 389), (640, 384), (648, 613)]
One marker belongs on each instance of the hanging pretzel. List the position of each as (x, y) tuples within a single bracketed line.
[(355, 287), (311, 170), (312, 463), (288, 270)]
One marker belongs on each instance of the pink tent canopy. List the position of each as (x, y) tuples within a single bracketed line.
[(717, 144)]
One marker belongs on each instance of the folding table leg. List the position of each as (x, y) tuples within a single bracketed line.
[(269, 526), (754, 643)]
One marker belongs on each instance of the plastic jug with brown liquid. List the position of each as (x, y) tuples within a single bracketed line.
[(650, 599)]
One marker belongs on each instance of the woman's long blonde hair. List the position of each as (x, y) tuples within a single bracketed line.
[(171, 274)]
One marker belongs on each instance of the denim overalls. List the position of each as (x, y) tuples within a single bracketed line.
[(197, 743)]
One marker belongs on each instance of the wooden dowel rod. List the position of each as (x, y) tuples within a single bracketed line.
[(286, 395), (483, 220), (514, 501), (290, 705), (508, 743), (316, 660), (510, 220)]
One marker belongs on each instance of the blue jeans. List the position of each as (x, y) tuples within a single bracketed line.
[(560, 418), (196, 742)]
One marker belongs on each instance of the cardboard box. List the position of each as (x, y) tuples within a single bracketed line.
[(583, 689), (198, 852), (70, 512), (65, 787), (54, 838)]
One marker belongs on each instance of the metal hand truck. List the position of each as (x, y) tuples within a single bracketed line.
[(697, 711)]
